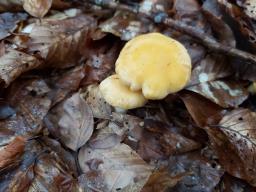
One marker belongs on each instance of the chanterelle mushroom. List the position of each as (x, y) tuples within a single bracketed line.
[(154, 63), (119, 95)]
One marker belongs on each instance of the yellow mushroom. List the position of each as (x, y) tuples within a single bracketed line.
[(252, 88), (119, 95), (154, 63)]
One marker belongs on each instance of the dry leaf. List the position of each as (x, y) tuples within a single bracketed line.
[(37, 8), (94, 98), (234, 141), (61, 42), (12, 152), (120, 166), (76, 122), (13, 63)]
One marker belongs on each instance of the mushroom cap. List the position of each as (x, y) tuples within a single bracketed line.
[(154, 63), (119, 95)]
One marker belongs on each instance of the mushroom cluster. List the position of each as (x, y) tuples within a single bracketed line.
[(150, 66)]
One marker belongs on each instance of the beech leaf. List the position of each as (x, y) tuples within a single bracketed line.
[(37, 8), (76, 123), (120, 166)]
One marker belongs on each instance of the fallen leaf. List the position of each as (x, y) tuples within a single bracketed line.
[(100, 108), (234, 142), (30, 101), (73, 123), (161, 181), (202, 110), (61, 42), (199, 173), (126, 26), (13, 63), (120, 166), (9, 22), (12, 152), (224, 93), (37, 8)]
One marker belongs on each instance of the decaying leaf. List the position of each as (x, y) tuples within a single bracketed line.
[(29, 98), (120, 166), (128, 28), (224, 93), (161, 181), (12, 152), (234, 141), (13, 63), (8, 23), (202, 110), (37, 8), (61, 42), (76, 122), (94, 98), (157, 141), (199, 173)]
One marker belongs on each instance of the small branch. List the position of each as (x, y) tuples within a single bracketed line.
[(201, 36)]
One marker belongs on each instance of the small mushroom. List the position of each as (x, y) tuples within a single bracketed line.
[(119, 95), (155, 64)]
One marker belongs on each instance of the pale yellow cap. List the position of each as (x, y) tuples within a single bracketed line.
[(154, 63), (119, 95)]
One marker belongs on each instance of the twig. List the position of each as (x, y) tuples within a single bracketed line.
[(162, 18)]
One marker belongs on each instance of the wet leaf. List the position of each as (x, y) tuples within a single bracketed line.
[(202, 110), (234, 142), (224, 93), (29, 99), (198, 173), (9, 22), (120, 166), (13, 63), (37, 8)]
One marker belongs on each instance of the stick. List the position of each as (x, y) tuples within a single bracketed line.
[(162, 18)]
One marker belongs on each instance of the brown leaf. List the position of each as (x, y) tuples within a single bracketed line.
[(61, 42), (234, 141), (10, 5), (202, 110), (214, 16), (13, 63), (73, 122), (224, 93), (198, 173), (29, 99), (161, 181), (125, 25), (157, 141), (65, 83), (120, 166), (37, 8), (12, 151), (8, 23), (100, 108)]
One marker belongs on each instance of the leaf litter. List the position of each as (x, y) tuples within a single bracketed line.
[(57, 133)]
